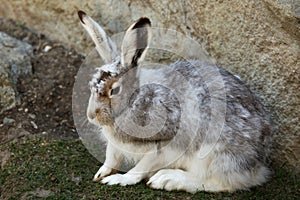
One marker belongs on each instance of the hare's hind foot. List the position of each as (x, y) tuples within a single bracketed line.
[(174, 179), (177, 179)]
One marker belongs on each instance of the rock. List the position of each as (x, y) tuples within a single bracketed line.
[(34, 124), (47, 48), (257, 40), (32, 116), (15, 56), (76, 179), (14, 61), (15, 134), (7, 91), (38, 193), (7, 121), (289, 7), (4, 158)]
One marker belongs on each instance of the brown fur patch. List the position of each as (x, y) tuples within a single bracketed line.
[(103, 114)]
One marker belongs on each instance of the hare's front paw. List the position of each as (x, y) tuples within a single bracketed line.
[(103, 172), (121, 179)]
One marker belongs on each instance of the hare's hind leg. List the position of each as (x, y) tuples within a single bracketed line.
[(236, 172), (196, 177), (175, 179)]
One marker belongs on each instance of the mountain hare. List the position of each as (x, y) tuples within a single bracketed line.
[(170, 123)]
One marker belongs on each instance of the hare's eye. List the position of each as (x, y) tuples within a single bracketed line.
[(115, 91)]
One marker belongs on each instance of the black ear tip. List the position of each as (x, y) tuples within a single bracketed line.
[(142, 22), (81, 14), (145, 20)]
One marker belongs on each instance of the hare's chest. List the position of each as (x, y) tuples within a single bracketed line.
[(131, 151)]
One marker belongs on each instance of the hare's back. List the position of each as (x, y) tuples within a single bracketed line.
[(245, 115)]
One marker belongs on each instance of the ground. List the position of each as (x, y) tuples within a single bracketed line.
[(42, 156)]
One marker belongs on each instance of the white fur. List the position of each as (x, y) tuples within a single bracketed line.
[(172, 169), (131, 152), (105, 47), (172, 165)]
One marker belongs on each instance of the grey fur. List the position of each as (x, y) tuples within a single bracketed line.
[(242, 146), (239, 100)]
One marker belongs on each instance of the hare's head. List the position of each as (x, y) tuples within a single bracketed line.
[(113, 83)]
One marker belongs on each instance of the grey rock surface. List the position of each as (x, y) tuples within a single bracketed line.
[(259, 40), (15, 58), (7, 121)]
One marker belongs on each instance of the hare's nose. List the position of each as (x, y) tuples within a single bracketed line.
[(91, 115)]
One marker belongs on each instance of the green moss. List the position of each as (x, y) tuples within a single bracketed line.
[(55, 165), (20, 23)]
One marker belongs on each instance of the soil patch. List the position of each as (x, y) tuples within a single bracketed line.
[(46, 95)]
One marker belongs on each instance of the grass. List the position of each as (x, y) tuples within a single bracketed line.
[(64, 169), (20, 23)]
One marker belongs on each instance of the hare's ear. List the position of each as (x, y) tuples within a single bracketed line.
[(135, 43), (105, 47)]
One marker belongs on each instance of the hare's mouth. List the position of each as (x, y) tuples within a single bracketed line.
[(93, 121), (99, 122), (97, 119)]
